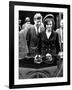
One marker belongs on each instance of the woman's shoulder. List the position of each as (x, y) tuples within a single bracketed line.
[(54, 32)]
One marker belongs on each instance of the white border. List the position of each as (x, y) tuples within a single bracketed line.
[(17, 81)]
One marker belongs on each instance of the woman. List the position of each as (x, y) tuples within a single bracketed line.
[(49, 41)]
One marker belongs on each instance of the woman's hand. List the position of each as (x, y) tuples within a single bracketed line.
[(60, 54), (38, 59), (49, 56)]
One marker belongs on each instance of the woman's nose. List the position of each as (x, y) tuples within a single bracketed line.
[(49, 25)]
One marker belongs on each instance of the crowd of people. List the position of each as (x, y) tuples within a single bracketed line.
[(41, 38)]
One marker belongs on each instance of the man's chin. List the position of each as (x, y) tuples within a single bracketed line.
[(38, 25)]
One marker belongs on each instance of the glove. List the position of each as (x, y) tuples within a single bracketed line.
[(49, 57), (38, 59), (60, 54)]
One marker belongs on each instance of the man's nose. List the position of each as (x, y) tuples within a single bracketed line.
[(38, 21)]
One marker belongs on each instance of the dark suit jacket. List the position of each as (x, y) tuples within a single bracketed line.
[(50, 45), (33, 40)]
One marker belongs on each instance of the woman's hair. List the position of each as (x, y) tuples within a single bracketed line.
[(47, 18)]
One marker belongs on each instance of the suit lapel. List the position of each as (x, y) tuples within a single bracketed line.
[(34, 31)]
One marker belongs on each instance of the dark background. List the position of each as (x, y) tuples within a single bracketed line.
[(24, 14)]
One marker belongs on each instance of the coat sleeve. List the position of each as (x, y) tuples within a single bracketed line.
[(28, 38), (23, 50), (58, 49), (39, 44)]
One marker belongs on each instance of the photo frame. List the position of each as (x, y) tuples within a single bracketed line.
[(25, 72)]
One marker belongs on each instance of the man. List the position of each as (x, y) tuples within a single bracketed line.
[(19, 24), (32, 38), (33, 34), (27, 23), (60, 34), (23, 49)]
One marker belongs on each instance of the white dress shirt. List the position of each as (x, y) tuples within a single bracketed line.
[(48, 34)]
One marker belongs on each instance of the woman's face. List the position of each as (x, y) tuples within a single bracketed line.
[(49, 25), (61, 24)]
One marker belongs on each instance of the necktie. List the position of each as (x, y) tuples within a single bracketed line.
[(37, 31)]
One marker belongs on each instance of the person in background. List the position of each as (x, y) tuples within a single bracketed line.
[(60, 34), (23, 49), (33, 34), (27, 23), (19, 24)]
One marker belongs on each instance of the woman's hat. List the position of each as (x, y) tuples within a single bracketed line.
[(48, 16)]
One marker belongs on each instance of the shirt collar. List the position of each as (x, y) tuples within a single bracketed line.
[(48, 34), (36, 28)]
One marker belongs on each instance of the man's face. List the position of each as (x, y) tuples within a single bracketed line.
[(19, 21), (38, 21), (49, 25), (61, 24)]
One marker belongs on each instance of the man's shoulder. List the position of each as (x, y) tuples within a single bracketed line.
[(32, 27), (22, 31)]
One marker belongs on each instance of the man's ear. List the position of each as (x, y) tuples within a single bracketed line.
[(34, 21)]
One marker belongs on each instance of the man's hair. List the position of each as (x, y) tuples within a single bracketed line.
[(27, 19), (37, 16)]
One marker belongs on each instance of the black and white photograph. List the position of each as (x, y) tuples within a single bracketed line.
[(40, 44)]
